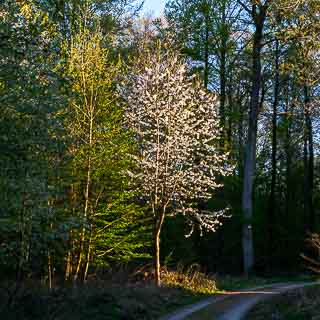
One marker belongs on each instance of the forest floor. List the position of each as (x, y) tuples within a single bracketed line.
[(96, 303)]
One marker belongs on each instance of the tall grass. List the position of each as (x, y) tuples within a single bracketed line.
[(190, 278)]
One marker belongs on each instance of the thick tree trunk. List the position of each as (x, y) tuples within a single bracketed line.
[(272, 200), (259, 15)]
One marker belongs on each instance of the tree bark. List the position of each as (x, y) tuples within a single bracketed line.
[(49, 270), (259, 15), (223, 59), (206, 52), (68, 269), (308, 163), (85, 276), (272, 201), (157, 231)]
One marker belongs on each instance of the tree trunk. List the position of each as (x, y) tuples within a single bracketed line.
[(206, 52), (68, 269), (288, 161), (223, 58), (157, 231), (259, 15), (230, 113), (272, 201), (308, 163), (49, 270), (85, 276)]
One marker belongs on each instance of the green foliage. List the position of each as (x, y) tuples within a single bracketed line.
[(101, 148), (46, 141), (30, 134)]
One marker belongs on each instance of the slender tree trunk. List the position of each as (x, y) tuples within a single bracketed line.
[(68, 266), (49, 270), (223, 59), (272, 200), (83, 231), (230, 112), (308, 163), (288, 160), (206, 52), (21, 251), (85, 276), (259, 15), (71, 248), (157, 232), (240, 134), (87, 199)]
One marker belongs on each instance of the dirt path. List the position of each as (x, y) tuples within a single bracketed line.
[(233, 305)]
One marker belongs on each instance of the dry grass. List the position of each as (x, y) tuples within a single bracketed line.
[(191, 279)]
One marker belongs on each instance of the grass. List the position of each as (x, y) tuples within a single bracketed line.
[(301, 304), (191, 279), (238, 283), (92, 303)]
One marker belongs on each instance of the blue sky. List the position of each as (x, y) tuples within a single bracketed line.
[(154, 5)]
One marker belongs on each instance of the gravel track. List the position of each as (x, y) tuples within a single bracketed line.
[(233, 305)]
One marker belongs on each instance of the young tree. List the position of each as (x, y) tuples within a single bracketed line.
[(177, 128), (100, 192)]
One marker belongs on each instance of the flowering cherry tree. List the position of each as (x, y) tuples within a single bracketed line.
[(177, 128)]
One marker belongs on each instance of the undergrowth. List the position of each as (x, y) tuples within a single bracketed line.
[(191, 279), (135, 299)]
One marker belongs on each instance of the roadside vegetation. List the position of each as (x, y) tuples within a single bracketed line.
[(119, 297), (239, 283), (97, 302)]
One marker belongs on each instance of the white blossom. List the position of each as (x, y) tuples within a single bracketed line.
[(176, 125)]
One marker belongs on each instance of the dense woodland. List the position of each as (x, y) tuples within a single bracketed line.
[(129, 141)]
